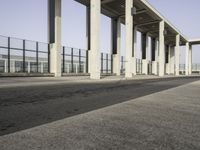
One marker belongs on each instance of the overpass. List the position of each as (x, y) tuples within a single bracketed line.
[(136, 15)]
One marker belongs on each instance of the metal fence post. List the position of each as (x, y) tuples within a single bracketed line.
[(37, 56), (72, 59), (63, 59), (24, 55), (141, 66), (121, 64), (87, 64), (111, 63), (101, 62), (79, 61), (136, 65), (8, 54), (49, 58), (107, 63)]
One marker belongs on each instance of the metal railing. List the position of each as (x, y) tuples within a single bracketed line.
[(106, 63), (122, 63), (182, 68), (150, 68), (74, 60), (23, 56), (195, 68), (138, 66)]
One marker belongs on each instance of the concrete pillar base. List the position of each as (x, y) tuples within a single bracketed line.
[(89, 57), (154, 68), (116, 64), (145, 67), (167, 66), (94, 65), (12, 66), (55, 57), (5, 66), (133, 66)]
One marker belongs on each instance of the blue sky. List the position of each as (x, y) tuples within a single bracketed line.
[(27, 19)]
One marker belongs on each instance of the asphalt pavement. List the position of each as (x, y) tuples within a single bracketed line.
[(120, 114)]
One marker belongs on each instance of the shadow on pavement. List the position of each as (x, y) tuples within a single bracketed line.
[(26, 107)]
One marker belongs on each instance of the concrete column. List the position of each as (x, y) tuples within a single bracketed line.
[(153, 50), (154, 54), (5, 66), (116, 44), (76, 68), (94, 58), (169, 60), (68, 68), (55, 36), (177, 54), (129, 64), (29, 66), (145, 48), (133, 66), (42, 67), (187, 59), (172, 60), (12, 66), (161, 71), (190, 60), (88, 38), (157, 50)]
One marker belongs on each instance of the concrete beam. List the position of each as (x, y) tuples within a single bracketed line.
[(137, 12), (147, 23), (107, 1)]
